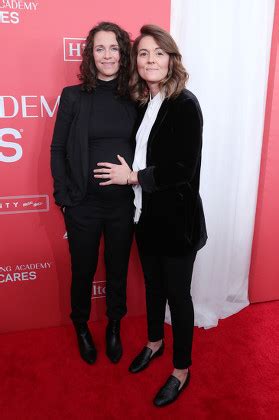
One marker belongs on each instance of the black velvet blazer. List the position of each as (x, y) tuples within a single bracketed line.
[(172, 220)]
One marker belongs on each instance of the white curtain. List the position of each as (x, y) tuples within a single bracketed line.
[(226, 48)]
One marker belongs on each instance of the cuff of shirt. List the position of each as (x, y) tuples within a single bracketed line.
[(146, 179)]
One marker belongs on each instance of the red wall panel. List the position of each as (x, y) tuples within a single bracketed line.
[(264, 271)]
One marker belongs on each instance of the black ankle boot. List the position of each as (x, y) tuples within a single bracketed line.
[(113, 341), (86, 345)]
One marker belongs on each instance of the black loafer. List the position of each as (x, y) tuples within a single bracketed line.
[(143, 359), (86, 345), (170, 391), (114, 348)]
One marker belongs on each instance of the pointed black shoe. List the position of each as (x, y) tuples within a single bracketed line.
[(86, 345), (170, 391), (113, 341), (143, 359)]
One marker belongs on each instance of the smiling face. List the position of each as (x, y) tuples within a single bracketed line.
[(106, 54), (152, 63)]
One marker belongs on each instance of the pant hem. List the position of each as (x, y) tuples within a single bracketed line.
[(182, 365)]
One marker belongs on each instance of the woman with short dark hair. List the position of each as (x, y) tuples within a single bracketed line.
[(170, 226), (95, 121)]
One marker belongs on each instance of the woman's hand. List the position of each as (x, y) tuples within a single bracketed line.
[(117, 174)]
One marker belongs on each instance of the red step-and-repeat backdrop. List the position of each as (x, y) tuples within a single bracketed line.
[(40, 50)]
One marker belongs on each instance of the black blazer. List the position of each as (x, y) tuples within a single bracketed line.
[(69, 148), (172, 220)]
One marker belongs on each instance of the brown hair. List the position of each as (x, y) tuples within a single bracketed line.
[(88, 70), (177, 76)]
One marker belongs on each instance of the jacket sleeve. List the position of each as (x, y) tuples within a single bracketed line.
[(187, 141), (58, 147)]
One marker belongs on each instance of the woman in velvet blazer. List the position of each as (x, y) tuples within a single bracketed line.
[(172, 219), (170, 226)]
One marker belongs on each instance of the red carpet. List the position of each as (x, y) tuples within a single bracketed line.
[(235, 373)]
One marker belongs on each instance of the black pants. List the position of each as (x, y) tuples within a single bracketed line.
[(169, 279), (85, 224)]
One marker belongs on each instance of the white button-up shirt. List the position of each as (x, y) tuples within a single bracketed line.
[(141, 147)]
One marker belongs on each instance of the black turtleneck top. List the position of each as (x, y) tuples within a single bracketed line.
[(110, 134)]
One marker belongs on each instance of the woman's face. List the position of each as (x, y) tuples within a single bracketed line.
[(152, 62), (106, 54)]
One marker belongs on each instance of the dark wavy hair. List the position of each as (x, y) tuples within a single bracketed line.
[(88, 70), (177, 76)]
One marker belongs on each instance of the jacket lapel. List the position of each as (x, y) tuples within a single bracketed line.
[(141, 112), (160, 118), (82, 128)]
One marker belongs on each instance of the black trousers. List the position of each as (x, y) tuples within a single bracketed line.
[(85, 224), (169, 279)]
